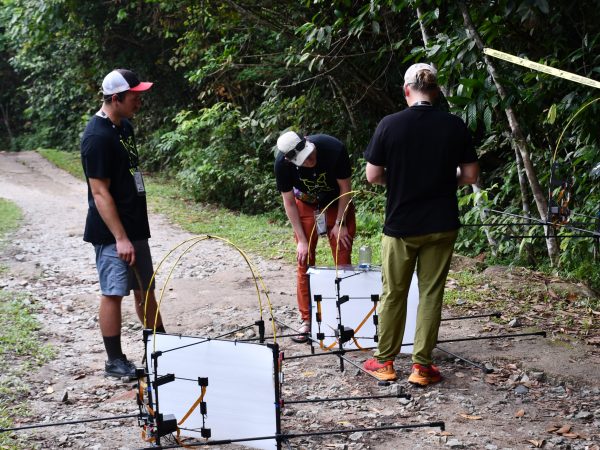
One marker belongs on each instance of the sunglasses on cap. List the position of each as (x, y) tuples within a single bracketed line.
[(297, 149)]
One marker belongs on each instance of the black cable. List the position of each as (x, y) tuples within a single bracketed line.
[(440, 425), (71, 422)]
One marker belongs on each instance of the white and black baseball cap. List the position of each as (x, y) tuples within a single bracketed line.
[(295, 147), (121, 80), (410, 77)]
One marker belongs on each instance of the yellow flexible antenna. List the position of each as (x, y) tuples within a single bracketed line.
[(158, 268), (360, 191), (255, 273)]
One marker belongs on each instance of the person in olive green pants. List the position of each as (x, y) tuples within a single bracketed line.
[(431, 254), (421, 155)]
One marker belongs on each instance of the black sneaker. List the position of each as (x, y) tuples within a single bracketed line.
[(120, 368)]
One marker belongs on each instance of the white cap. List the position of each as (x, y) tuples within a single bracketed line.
[(411, 74), (295, 147), (121, 80)]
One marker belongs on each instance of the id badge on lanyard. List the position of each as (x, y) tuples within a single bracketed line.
[(139, 182), (321, 223)]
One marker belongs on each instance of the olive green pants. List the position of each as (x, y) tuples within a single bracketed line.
[(431, 253)]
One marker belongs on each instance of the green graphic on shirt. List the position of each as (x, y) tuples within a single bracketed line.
[(317, 185), (128, 144)]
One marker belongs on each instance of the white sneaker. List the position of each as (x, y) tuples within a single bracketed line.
[(304, 331)]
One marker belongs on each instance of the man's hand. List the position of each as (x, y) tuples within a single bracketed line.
[(302, 252), (126, 251), (341, 235)]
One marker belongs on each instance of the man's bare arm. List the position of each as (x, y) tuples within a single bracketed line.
[(108, 211), (376, 174), (467, 173)]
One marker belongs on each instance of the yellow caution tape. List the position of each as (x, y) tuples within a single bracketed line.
[(542, 68)]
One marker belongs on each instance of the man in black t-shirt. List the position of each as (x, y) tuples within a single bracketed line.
[(421, 155), (313, 173), (117, 219)]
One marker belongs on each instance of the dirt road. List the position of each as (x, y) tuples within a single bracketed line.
[(536, 387)]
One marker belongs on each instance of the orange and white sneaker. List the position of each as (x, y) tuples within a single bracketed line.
[(382, 371), (424, 375)]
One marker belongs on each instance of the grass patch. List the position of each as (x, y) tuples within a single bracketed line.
[(10, 216), (69, 161), (260, 234), (462, 288), (20, 350)]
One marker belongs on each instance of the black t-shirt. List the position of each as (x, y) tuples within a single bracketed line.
[(318, 184), (420, 148), (108, 151)]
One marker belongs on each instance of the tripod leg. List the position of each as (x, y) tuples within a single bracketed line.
[(474, 364)]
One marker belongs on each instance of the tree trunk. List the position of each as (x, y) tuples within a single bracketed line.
[(338, 89), (518, 136), (11, 139), (524, 200)]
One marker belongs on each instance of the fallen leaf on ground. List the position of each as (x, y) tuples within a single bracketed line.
[(520, 413), (571, 435), (564, 429), (490, 379), (469, 417), (537, 443)]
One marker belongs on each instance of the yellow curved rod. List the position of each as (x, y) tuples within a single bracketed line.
[(158, 268), (359, 192), (255, 274)]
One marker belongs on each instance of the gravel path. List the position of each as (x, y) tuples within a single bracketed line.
[(529, 397)]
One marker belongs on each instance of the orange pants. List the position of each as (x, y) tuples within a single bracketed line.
[(307, 218)]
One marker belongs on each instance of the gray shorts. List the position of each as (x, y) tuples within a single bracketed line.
[(117, 278)]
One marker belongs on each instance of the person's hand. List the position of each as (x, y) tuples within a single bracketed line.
[(340, 234), (125, 251), (302, 252)]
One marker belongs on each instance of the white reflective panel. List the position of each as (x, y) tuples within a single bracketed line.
[(240, 397), (359, 285)]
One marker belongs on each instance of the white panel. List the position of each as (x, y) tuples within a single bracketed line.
[(359, 286), (240, 397)]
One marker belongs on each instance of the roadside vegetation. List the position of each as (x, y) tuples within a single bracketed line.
[(20, 346)]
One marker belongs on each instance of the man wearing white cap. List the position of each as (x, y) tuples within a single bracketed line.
[(117, 219), (421, 155), (312, 172)]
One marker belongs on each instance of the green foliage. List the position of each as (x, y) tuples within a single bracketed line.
[(218, 159)]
